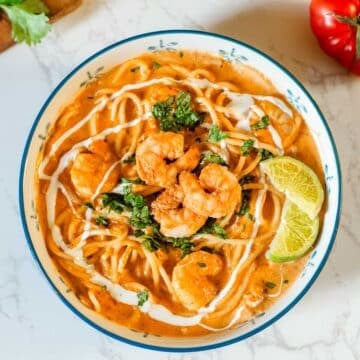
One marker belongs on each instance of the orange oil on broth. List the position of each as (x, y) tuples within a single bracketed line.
[(247, 80)]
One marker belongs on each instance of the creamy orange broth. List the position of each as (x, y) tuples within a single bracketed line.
[(257, 295)]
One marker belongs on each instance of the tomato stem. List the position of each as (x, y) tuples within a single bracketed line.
[(352, 22)]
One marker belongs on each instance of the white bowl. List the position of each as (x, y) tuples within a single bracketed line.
[(234, 51)]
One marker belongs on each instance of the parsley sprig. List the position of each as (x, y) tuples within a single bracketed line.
[(263, 123), (143, 297), (176, 113), (209, 157), (211, 227), (215, 134), (29, 20), (247, 146)]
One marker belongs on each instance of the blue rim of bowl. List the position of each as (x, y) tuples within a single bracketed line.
[(165, 348)]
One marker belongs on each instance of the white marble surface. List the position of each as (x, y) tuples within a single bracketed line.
[(34, 324)]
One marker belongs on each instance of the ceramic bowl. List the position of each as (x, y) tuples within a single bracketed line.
[(233, 51)]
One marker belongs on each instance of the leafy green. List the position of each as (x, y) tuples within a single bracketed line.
[(130, 159), (10, 2), (265, 154), (102, 220), (113, 202), (211, 227), (209, 157), (140, 213), (28, 19), (143, 297), (263, 123), (247, 146), (215, 134), (184, 244), (132, 181), (135, 69), (244, 209), (150, 243), (247, 179), (175, 113), (34, 6), (270, 285), (156, 65), (89, 205)]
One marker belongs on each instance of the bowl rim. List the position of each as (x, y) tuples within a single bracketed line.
[(168, 348)]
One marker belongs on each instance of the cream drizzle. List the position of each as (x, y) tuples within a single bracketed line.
[(119, 293)]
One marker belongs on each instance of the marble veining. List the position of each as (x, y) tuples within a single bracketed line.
[(34, 324)]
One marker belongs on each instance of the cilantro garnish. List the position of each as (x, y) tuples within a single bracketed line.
[(247, 179), (209, 157), (130, 159), (176, 113), (263, 123), (215, 134), (247, 146), (28, 19), (211, 227), (102, 220), (265, 154), (143, 297), (244, 209)]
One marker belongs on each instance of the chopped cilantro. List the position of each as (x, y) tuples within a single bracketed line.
[(211, 227), (209, 157), (89, 205), (132, 181), (244, 209), (215, 134), (247, 146), (269, 284), (201, 264), (102, 220), (250, 216), (150, 243), (263, 123), (184, 244), (247, 179), (156, 65), (176, 113), (143, 297), (130, 159), (113, 202), (135, 69), (265, 154)]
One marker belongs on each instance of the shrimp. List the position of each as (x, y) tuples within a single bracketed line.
[(216, 193), (191, 279), (175, 221), (152, 155), (89, 168)]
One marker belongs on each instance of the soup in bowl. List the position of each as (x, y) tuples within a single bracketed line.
[(185, 190)]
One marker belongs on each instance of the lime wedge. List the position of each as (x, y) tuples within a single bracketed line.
[(299, 183), (295, 235)]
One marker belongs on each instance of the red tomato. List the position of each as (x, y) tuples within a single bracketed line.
[(336, 24)]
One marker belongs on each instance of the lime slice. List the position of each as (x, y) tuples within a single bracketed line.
[(297, 181), (295, 235)]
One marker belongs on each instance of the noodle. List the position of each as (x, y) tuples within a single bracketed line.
[(105, 224)]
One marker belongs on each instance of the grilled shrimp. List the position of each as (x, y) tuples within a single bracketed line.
[(215, 194), (89, 169), (175, 221), (152, 153), (192, 281)]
